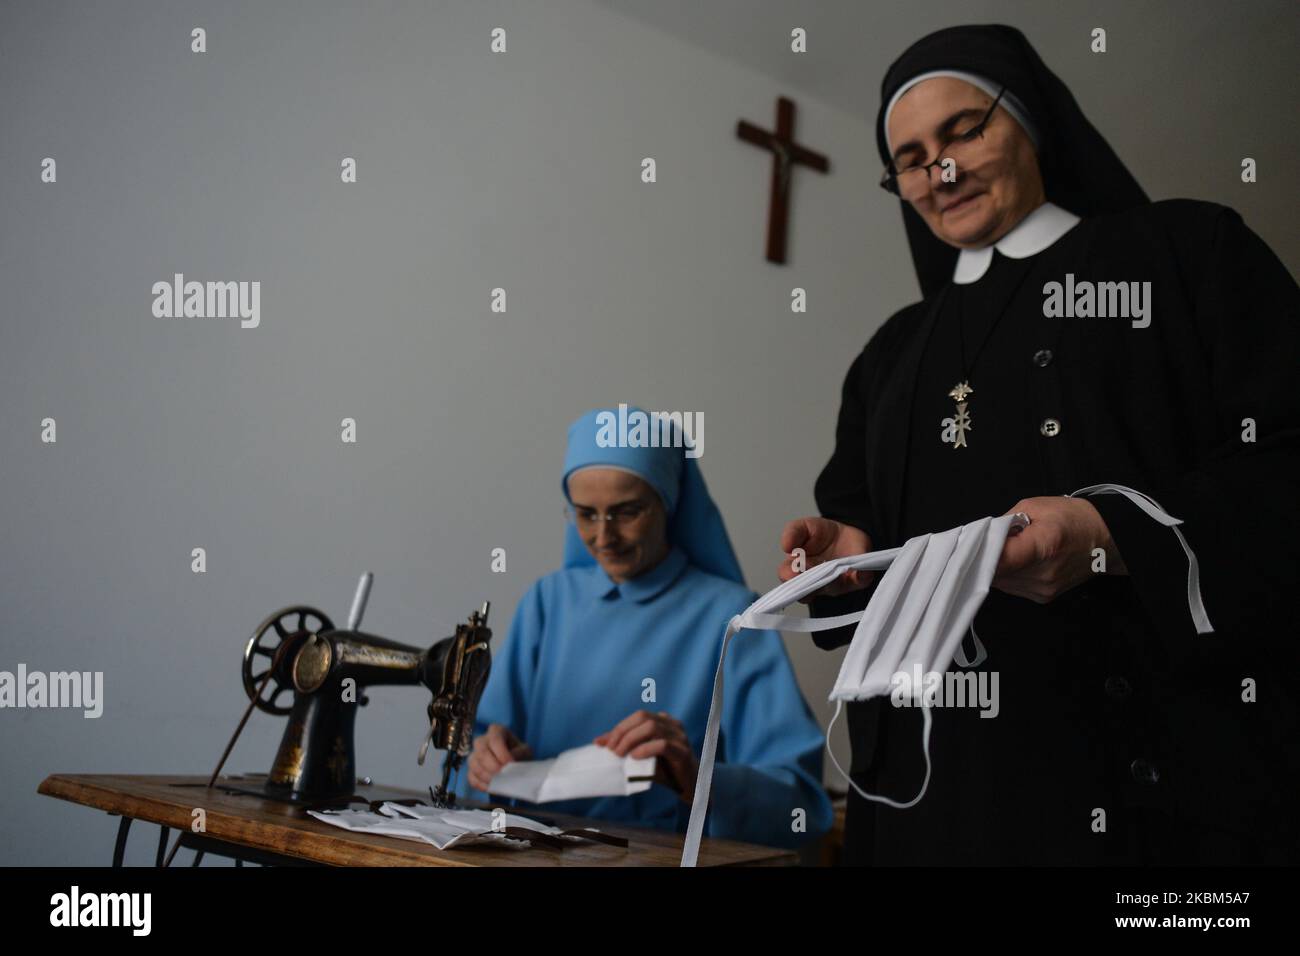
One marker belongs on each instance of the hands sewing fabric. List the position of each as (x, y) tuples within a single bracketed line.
[(643, 734), (1042, 562), (492, 751)]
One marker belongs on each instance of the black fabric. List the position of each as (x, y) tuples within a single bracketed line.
[(1159, 409), (1080, 171), (1003, 310)]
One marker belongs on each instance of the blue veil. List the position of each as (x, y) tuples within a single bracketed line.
[(694, 522)]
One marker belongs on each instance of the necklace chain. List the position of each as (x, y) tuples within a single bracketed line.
[(955, 428), (961, 326)]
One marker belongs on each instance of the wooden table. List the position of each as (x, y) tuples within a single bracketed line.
[(256, 829)]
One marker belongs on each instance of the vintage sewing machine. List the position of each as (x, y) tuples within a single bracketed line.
[(298, 651)]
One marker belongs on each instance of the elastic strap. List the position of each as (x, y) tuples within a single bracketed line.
[(925, 746), (709, 752), (1152, 509), (981, 652)]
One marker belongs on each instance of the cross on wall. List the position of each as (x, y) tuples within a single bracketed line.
[(785, 154)]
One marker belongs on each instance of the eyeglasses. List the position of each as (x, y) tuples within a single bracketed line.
[(620, 516), (912, 182)]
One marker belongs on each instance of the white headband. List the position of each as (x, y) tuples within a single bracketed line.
[(1009, 101)]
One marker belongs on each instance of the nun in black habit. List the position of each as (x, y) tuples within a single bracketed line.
[(1122, 735)]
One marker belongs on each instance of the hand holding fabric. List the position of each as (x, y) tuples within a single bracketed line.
[(492, 751), (822, 539), (643, 734), (1055, 553)]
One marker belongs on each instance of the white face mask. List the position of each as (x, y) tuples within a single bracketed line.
[(916, 620), (914, 623), (922, 607)]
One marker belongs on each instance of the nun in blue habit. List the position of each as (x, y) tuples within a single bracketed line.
[(648, 585)]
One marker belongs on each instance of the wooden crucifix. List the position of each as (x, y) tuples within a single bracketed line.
[(785, 153)]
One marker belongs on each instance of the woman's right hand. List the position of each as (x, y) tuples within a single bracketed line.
[(822, 539), (492, 751)]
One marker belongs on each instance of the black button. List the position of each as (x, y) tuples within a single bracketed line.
[(1144, 771), (1118, 687), (1043, 358)]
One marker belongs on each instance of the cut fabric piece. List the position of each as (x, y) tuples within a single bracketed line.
[(434, 829), (514, 827), (444, 828), (590, 771)]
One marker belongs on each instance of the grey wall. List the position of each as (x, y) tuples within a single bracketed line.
[(475, 171)]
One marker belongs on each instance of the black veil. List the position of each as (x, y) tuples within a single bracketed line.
[(1081, 173)]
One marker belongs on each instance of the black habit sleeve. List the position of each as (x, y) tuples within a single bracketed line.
[(1239, 505), (842, 495)]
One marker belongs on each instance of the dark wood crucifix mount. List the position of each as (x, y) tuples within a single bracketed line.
[(785, 154)]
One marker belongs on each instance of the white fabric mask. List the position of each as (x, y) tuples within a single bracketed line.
[(922, 607), (914, 623), (587, 771)]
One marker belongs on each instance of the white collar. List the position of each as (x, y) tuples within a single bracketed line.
[(1040, 229)]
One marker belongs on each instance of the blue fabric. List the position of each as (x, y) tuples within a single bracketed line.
[(575, 663), (694, 522)]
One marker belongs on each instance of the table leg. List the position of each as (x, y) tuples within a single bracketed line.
[(119, 849), (162, 844)]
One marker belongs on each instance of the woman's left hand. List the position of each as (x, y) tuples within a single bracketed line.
[(643, 734), (1055, 553)]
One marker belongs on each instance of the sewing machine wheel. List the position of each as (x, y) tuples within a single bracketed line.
[(275, 638)]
